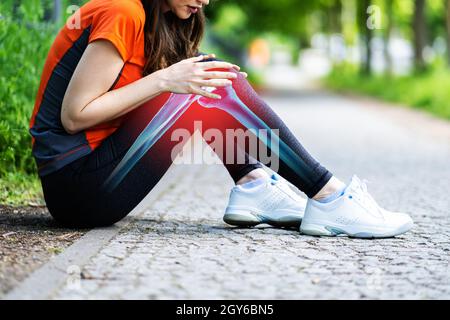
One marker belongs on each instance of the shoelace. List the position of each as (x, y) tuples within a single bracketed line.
[(285, 186), (361, 195)]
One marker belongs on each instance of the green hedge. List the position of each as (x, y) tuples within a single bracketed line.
[(23, 49), (429, 91), (24, 43)]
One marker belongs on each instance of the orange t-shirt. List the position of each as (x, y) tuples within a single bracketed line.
[(119, 21)]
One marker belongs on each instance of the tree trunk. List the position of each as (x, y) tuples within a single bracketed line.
[(419, 28), (387, 35), (335, 15), (366, 35), (57, 11)]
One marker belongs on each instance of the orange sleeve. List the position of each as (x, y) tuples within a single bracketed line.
[(120, 24)]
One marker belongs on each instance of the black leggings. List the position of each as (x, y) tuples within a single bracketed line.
[(76, 197)]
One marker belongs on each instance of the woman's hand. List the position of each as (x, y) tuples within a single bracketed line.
[(189, 76), (88, 100)]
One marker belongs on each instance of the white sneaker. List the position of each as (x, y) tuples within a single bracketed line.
[(355, 214), (270, 201)]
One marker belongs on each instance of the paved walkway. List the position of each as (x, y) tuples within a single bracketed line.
[(179, 248)]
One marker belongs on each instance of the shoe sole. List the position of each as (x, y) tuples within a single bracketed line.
[(318, 229), (249, 219)]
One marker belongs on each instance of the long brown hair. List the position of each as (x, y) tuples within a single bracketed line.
[(169, 39)]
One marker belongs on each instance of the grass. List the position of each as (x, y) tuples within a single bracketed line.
[(429, 91), (18, 189), (55, 250)]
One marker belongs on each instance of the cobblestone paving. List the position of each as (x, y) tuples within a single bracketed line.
[(181, 249)]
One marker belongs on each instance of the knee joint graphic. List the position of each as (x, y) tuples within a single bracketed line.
[(173, 109)]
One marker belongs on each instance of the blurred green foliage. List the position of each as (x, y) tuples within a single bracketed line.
[(426, 88), (429, 91)]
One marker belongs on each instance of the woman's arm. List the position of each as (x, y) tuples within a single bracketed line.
[(87, 101)]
